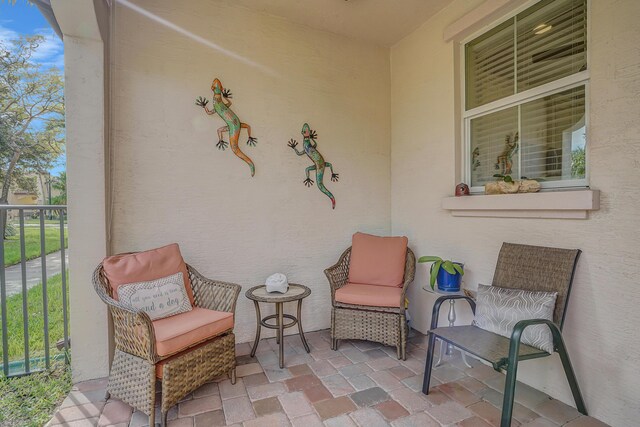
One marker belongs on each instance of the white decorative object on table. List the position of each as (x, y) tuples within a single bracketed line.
[(277, 283)]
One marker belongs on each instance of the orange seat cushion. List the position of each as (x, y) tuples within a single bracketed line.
[(369, 295), (145, 266), (176, 333), (377, 260)]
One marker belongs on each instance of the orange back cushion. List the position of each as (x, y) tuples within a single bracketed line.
[(144, 266), (377, 260)]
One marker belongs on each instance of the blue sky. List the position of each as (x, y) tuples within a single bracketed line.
[(24, 19)]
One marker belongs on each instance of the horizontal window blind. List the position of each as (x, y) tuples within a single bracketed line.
[(542, 44), (553, 128), (551, 42), (550, 132), (540, 135), (490, 73), (489, 145)]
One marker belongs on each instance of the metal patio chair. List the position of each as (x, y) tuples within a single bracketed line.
[(531, 268)]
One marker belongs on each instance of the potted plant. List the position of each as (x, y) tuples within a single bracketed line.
[(504, 184), (447, 272)]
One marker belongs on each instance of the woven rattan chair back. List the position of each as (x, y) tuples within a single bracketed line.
[(538, 268), (101, 283), (409, 267)]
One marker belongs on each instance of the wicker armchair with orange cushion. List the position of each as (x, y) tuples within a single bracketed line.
[(368, 287), (189, 343)]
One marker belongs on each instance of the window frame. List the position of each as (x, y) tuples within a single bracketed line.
[(581, 78)]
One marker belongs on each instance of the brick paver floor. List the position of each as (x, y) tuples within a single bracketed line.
[(362, 384)]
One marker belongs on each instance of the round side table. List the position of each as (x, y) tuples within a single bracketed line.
[(446, 349), (259, 294)]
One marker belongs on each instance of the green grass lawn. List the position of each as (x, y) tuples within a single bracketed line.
[(36, 320), (32, 399), (46, 221), (32, 244)]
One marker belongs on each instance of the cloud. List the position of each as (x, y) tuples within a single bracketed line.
[(49, 54), (6, 34)]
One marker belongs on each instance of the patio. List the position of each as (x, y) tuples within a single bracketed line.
[(362, 384), (343, 117)]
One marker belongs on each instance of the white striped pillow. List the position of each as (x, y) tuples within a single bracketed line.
[(499, 309)]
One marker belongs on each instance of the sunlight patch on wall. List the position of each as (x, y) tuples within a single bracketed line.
[(194, 37)]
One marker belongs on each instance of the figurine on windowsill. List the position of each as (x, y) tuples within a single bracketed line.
[(504, 162), (462, 189)]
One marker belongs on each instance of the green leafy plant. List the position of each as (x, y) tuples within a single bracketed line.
[(505, 178), (438, 263), (578, 162)]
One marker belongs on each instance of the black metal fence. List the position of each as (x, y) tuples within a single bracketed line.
[(15, 219)]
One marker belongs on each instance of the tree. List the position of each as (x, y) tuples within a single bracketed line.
[(31, 114), (578, 162), (60, 184)]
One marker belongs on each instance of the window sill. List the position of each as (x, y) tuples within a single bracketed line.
[(568, 204)]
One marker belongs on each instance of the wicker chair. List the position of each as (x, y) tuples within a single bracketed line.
[(133, 371), (531, 268), (386, 325)]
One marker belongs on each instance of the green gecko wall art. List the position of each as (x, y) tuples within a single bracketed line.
[(309, 145), (221, 103)]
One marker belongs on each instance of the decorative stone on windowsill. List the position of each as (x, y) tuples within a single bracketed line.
[(567, 204)]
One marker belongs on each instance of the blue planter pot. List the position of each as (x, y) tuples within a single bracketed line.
[(448, 282)]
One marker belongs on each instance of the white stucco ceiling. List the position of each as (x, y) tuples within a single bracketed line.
[(384, 22)]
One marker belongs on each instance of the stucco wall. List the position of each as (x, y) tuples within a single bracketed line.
[(602, 315), (171, 183), (86, 50)]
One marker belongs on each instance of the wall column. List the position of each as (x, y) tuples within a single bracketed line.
[(86, 140)]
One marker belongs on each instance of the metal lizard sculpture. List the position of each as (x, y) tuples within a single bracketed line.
[(504, 161), (221, 104), (309, 145)]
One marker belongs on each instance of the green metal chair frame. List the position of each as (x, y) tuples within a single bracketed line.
[(533, 268)]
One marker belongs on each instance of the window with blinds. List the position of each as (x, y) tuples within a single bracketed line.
[(525, 90)]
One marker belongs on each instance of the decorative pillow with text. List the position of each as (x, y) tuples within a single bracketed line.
[(158, 298)]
